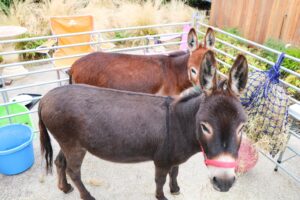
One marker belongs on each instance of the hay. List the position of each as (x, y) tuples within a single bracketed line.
[(42, 179), (266, 103), (94, 182)]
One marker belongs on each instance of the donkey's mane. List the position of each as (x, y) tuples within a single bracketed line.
[(189, 96), (188, 105), (197, 92), (177, 53)]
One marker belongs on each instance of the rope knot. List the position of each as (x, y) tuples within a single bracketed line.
[(273, 74)]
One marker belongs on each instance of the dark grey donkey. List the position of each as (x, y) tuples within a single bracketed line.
[(129, 127)]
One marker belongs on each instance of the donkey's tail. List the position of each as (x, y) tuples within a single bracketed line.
[(69, 72), (45, 141), (70, 79)]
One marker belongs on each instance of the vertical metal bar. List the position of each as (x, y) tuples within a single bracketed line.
[(196, 20), (194, 16), (146, 50), (5, 99), (58, 77), (282, 153), (282, 167), (98, 46)]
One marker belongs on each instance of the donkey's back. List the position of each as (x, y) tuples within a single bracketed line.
[(102, 120), (136, 73)]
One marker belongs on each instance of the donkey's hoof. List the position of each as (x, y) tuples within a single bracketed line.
[(68, 189), (164, 198), (88, 198), (175, 193), (175, 190), (161, 198)]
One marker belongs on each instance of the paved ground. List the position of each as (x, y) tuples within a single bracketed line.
[(109, 181)]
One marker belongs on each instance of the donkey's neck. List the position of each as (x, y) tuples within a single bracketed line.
[(180, 69), (183, 130)]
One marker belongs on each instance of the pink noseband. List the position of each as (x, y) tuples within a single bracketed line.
[(217, 163)]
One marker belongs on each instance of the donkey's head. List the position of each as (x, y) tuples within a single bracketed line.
[(220, 120), (197, 52)]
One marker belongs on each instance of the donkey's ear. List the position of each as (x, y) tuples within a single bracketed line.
[(238, 75), (210, 39), (192, 40), (208, 71)]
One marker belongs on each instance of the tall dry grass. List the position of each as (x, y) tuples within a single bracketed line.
[(107, 13)]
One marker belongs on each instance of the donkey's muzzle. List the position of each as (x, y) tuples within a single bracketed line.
[(223, 184)]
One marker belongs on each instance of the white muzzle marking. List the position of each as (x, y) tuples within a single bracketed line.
[(220, 171)]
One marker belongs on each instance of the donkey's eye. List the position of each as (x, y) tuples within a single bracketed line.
[(194, 72), (205, 129)]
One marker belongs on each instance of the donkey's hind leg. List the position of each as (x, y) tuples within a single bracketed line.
[(174, 188), (61, 165), (74, 159)]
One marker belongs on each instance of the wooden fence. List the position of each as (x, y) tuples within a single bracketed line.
[(259, 20)]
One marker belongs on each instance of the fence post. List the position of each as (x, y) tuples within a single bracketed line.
[(195, 20), (98, 47), (5, 99), (146, 49)]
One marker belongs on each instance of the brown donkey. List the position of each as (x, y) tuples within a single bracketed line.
[(155, 74), (130, 127)]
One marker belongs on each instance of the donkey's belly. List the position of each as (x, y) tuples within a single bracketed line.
[(123, 157), (125, 142)]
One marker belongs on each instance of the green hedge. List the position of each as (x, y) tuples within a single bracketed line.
[(200, 4), (30, 45), (4, 5)]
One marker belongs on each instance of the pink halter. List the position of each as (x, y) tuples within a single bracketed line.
[(217, 163)]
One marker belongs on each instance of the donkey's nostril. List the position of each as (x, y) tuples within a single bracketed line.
[(223, 184), (214, 180)]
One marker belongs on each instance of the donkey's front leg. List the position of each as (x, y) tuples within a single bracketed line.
[(160, 179), (174, 188)]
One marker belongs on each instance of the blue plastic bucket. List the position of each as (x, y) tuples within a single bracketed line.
[(16, 150)]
